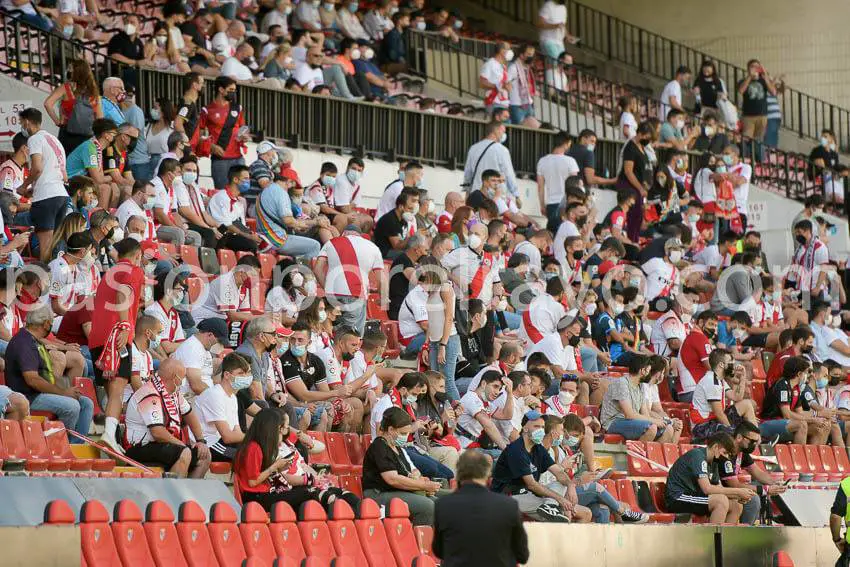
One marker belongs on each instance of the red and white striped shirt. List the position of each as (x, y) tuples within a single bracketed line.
[(350, 261), (541, 318)]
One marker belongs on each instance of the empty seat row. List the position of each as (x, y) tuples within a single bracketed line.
[(44, 447), (313, 540)]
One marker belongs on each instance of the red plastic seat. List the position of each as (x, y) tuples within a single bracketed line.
[(424, 539), (376, 547), (195, 286), (189, 255), (194, 537), (162, 535), (390, 329), (267, 264), (323, 457), (59, 447), (255, 533), (827, 459), (655, 452), (374, 309), (284, 533), (671, 453), (355, 448), (352, 483), (400, 534), (784, 459), (813, 457), (58, 512), (86, 386), (226, 259), (344, 535), (841, 460), (315, 534), (37, 446), (128, 533), (13, 447), (224, 535), (340, 462), (96, 536), (798, 457), (637, 466)]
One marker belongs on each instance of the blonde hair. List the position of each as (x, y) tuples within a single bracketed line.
[(73, 222), (282, 49)]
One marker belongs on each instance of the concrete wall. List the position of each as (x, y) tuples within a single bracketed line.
[(12, 94)]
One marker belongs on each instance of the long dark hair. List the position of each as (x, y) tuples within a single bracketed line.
[(265, 432)]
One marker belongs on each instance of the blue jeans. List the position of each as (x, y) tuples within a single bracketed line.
[(142, 171), (775, 428), (514, 320), (300, 246), (589, 359), (416, 344), (428, 466), (520, 113), (771, 133), (631, 428), (552, 48), (601, 502), (75, 414), (448, 369), (84, 350)]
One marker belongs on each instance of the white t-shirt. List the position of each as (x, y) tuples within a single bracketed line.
[(742, 192), (70, 283), (163, 199), (387, 202), (464, 263), (129, 208), (193, 355), (824, 337), (345, 193), (553, 13), (555, 169), (357, 368), (236, 70), (472, 406), (535, 261), (660, 276), (51, 182), (567, 229), (414, 310), (704, 188), (709, 257), (544, 312), (308, 77), (333, 367), (671, 89), (650, 394), (142, 364), (350, 261), (556, 353), (627, 119), (709, 389), (189, 196), (666, 327), (383, 404), (495, 73), (278, 301), (215, 405), (224, 295), (172, 330), (225, 211)]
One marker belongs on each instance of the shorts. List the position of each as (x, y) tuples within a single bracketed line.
[(47, 214), (703, 431), (316, 417), (125, 366), (222, 452), (159, 454), (755, 341), (771, 428), (5, 393), (631, 428), (688, 504)]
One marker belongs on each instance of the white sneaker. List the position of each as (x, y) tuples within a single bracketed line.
[(109, 440)]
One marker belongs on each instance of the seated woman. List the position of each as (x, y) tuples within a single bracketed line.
[(268, 468), (71, 224), (388, 472)]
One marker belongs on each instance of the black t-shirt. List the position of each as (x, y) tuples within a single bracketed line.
[(22, 356), (312, 373), (475, 199), (715, 144), (686, 471), (380, 458), (655, 249), (584, 158), (642, 169), (731, 467), (709, 88), (189, 112), (473, 355), (829, 157), (399, 284), (515, 463), (781, 394), (755, 98), (122, 44), (388, 225)]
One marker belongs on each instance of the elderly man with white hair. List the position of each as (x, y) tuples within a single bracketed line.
[(29, 371), (113, 95)]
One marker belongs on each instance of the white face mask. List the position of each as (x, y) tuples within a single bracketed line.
[(686, 318), (431, 207), (310, 287), (323, 316), (355, 54), (474, 241), (117, 234), (566, 398), (408, 217), (130, 29), (709, 131), (675, 256), (509, 55), (503, 304), (618, 309), (297, 279), (590, 308)]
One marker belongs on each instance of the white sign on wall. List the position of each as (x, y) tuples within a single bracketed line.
[(9, 125)]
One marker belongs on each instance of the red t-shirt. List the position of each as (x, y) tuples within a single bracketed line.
[(71, 327), (213, 117), (774, 373), (121, 274), (249, 468), (695, 348)]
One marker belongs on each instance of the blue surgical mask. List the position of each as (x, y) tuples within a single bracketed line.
[(242, 382), (328, 180), (727, 159), (154, 343), (822, 383), (68, 31), (537, 436), (282, 349), (244, 186), (401, 176), (572, 442), (400, 440), (556, 442), (353, 175), (298, 350), (409, 400)]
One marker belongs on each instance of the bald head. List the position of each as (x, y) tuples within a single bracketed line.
[(236, 29), (453, 201), (172, 372), (481, 230)]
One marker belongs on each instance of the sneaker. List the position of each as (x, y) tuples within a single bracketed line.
[(632, 517), (110, 441), (551, 513)]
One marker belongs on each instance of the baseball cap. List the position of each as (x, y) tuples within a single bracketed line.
[(566, 321), (217, 327), (150, 250), (266, 146), (283, 332), (531, 415)]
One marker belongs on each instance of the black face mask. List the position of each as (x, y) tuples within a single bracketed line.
[(578, 254), (754, 248), (110, 234), (280, 39), (645, 379), (639, 310), (580, 222), (749, 448), (347, 356), (807, 349), (132, 145), (441, 397), (710, 333), (800, 239), (230, 97), (574, 341), (490, 248)]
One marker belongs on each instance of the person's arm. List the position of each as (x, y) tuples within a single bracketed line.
[(229, 435), (54, 98), (506, 412), (717, 411), (161, 435), (397, 243), (593, 179), (321, 270), (743, 85), (407, 484), (538, 489), (788, 413), (196, 383), (840, 346), (36, 382), (299, 391), (490, 428), (627, 410), (162, 217)]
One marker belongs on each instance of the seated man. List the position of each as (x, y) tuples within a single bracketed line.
[(227, 208), (170, 226), (197, 359), (87, 159), (779, 409), (229, 296), (710, 411), (30, 373), (518, 471), (693, 487), (154, 422), (218, 410), (622, 403), (490, 401)]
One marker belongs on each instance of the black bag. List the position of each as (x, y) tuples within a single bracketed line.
[(82, 117)]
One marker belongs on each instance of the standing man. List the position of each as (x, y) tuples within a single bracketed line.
[(223, 118), (45, 184), (475, 527), (754, 90), (410, 175), (493, 77), (188, 113), (671, 96), (490, 153), (553, 170)]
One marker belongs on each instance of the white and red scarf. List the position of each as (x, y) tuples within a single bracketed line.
[(109, 358)]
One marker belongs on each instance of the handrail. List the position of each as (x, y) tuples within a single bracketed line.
[(659, 56), (304, 120)]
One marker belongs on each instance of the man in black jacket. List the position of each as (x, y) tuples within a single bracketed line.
[(475, 526)]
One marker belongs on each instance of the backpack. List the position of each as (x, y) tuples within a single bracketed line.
[(82, 118)]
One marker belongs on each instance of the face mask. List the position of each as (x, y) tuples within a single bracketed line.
[(136, 237), (836, 321), (355, 54), (410, 400), (537, 436), (824, 142), (155, 114), (661, 180), (572, 442), (68, 31), (474, 241), (749, 448), (574, 341), (591, 147), (720, 169), (710, 333), (680, 124), (739, 334), (728, 160), (177, 297), (590, 308), (431, 207), (503, 304), (675, 256), (117, 234), (709, 131), (130, 29), (154, 343), (353, 6), (556, 442), (401, 440), (618, 309), (230, 97), (329, 7), (369, 54), (441, 397), (566, 398), (420, 26), (161, 40), (686, 318), (458, 24), (353, 175), (242, 382), (693, 218), (821, 383), (282, 349), (189, 177), (328, 180), (323, 316), (800, 239), (148, 294), (509, 55), (408, 217), (832, 147), (298, 350), (347, 356), (310, 287)]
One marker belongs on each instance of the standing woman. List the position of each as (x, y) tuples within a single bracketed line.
[(636, 175), (444, 341), (80, 84), (158, 131), (708, 88), (628, 124), (460, 230)]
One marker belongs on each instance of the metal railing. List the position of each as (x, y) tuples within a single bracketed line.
[(659, 56), (338, 125)]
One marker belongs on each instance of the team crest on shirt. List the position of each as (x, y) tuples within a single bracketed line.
[(311, 370), (728, 467), (234, 113), (704, 467), (783, 396), (487, 262)]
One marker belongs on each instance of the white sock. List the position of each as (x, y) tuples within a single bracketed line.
[(111, 427)]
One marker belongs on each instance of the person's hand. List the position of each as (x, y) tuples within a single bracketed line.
[(775, 489), (827, 414), (216, 233), (509, 387), (345, 390), (72, 393), (569, 462), (449, 413), (21, 239), (71, 347), (431, 487), (121, 339), (572, 495), (216, 150), (532, 402), (203, 451), (744, 494), (323, 221), (281, 464), (280, 398), (565, 504), (677, 424), (311, 407), (441, 354)]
